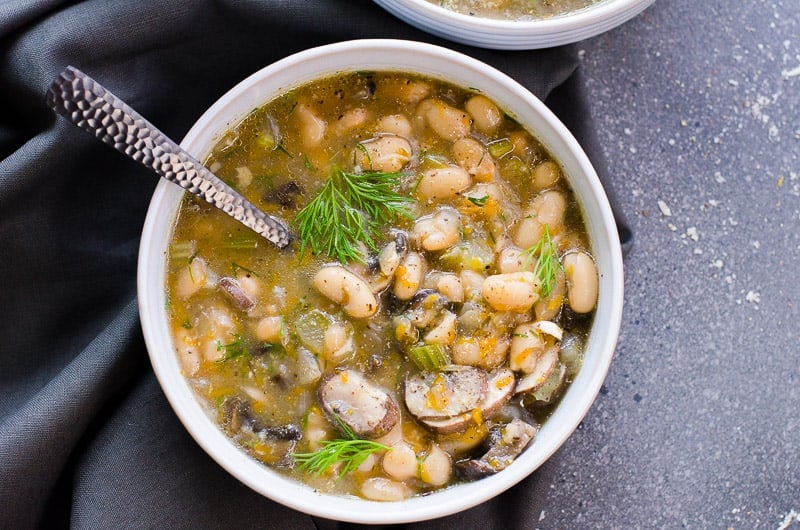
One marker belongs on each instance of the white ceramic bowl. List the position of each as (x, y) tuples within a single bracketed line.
[(515, 35), (426, 60)]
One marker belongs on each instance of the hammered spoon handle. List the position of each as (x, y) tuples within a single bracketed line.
[(87, 104)]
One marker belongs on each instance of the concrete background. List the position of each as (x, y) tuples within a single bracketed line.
[(698, 423)]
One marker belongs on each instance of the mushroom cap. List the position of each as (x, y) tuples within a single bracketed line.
[(499, 389), (360, 404)]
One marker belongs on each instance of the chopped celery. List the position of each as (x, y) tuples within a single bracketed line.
[(500, 148), (183, 250), (266, 141), (429, 356), (571, 353), (470, 255), (310, 328), (514, 167), (433, 161), (240, 243), (546, 393)]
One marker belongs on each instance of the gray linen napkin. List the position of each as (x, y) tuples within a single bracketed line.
[(86, 437)]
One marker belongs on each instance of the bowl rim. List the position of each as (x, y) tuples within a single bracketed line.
[(507, 34), (377, 54)]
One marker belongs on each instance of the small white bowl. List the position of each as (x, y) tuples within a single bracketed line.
[(427, 60), (515, 35)]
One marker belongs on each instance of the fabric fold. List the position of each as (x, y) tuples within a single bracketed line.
[(86, 436)]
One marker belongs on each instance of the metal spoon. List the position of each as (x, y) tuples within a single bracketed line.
[(87, 104)]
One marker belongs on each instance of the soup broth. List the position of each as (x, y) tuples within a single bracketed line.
[(514, 9), (422, 351)]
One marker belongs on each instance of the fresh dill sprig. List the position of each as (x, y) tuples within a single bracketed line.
[(350, 451), (547, 262), (235, 348), (478, 201), (350, 209)]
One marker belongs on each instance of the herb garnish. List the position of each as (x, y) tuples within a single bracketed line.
[(478, 201), (350, 209), (232, 350), (350, 451), (547, 264)]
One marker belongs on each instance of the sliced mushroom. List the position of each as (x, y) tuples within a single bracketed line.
[(387, 262), (545, 365), (272, 444), (393, 253), (499, 389), (444, 332), (284, 195), (505, 442), (530, 343), (453, 424), (441, 395), (425, 307), (360, 404), (238, 296)]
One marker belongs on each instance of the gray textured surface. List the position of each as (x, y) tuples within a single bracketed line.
[(698, 423)]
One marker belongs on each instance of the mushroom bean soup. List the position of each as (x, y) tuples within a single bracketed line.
[(432, 309), (514, 9)]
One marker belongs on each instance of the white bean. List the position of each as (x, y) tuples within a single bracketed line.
[(408, 276), (472, 282), (219, 332), (346, 289), (400, 462), (250, 285), (473, 157), (394, 124), (410, 92), (549, 208), (315, 428), (450, 286), (467, 351), (526, 347), (444, 332), (485, 114), (547, 308), (368, 464), (192, 278), (186, 347), (438, 231), (244, 177), (436, 468), (383, 489), (443, 183), (486, 352), (392, 437), (447, 122), (545, 175), (312, 128), (521, 144), (384, 153), (515, 291), (349, 120), (512, 259), (582, 281), (270, 329), (337, 342), (527, 232)]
